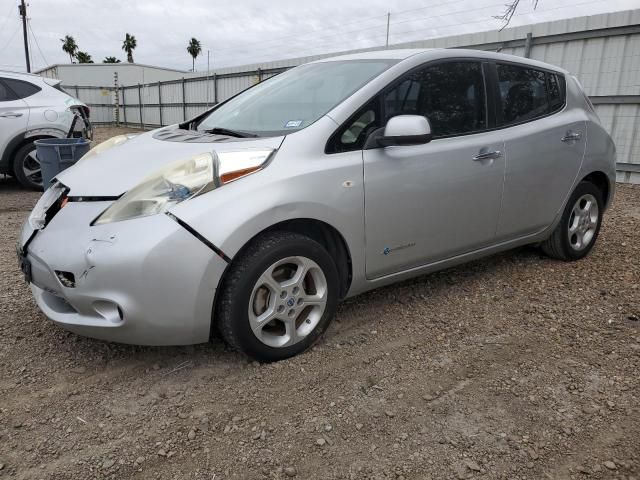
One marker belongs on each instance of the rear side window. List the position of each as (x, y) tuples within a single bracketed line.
[(527, 93), (20, 88), (556, 91), (523, 93), (6, 95)]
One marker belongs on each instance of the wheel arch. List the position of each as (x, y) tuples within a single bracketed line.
[(603, 182), (322, 232), (16, 143)]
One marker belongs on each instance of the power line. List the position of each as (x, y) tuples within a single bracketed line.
[(341, 25), (516, 15), (37, 44), (392, 24), (7, 17), (11, 37), (404, 32)]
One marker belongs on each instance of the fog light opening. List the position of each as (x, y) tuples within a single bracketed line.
[(67, 279)]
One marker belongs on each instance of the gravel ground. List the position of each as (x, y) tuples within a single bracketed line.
[(513, 367)]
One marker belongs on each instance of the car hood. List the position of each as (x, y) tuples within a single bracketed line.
[(115, 171)]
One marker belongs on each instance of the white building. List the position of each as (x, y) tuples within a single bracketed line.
[(102, 74)]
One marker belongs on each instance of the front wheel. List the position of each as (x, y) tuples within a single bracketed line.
[(579, 226), (279, 296)]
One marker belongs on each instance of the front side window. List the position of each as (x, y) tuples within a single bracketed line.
[(20, 88), (294, 99), (451, 95), (523, 93)]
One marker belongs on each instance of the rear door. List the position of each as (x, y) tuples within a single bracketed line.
[(14, 115), (545, 144)]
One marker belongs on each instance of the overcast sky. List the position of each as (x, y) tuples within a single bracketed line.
[(247, 31)]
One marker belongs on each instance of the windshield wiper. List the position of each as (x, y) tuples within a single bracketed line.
[(231, 133)]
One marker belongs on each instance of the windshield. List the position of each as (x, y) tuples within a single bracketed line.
[(294, 99)]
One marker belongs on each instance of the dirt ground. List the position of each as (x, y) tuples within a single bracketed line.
[(513, 367)]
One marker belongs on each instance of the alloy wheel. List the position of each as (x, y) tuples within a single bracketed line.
[(287, 301), (31, 168), (583, 222)]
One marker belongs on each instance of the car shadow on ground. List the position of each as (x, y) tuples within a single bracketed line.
[(9, 184)]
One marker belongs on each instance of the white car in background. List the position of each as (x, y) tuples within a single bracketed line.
[(32, 108)]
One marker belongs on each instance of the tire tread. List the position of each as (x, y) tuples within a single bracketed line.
[(555, 246)]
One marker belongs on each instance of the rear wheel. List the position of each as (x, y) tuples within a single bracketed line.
[(576, 234), (26, 167), (278, 297)]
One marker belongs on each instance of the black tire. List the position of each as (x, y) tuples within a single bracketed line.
[(22, 157), (231, 312), (559, 244)]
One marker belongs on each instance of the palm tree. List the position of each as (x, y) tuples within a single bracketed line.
[(128, 46), (194, 48), (111, 60), (83, 57), (69, 46)]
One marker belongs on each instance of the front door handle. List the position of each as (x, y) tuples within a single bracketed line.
[(571, 136), (10, 114), (488, 155)]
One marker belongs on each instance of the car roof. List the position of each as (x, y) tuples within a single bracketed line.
[(429, 54), (29, 77)]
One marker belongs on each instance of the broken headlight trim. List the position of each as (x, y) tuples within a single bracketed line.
[(41, 213), (182, 180)]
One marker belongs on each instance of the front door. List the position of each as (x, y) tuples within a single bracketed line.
[(430, 202)]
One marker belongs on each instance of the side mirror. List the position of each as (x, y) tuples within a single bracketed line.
[(404, 130)]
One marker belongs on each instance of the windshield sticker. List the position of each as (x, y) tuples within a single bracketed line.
[(293, 124)]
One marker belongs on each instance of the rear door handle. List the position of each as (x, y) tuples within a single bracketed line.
[(488, 155), (571, 136), (10, 114)]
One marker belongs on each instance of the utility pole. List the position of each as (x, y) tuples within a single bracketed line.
[(22, 8), (116, 99), (388, 20), (208, 66)]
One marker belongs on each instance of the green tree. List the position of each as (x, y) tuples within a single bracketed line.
[(83, 57), (111, 60), (194, 48), (69, 46), (129, 45)]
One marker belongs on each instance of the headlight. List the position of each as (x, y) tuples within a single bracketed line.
[(183, 180), (106, 145)]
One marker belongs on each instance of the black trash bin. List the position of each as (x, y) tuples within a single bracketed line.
[(57, 154)]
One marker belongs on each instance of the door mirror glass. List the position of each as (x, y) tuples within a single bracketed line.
[(404, 130)]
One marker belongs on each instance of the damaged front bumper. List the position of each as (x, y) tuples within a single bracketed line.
[(146, 281)]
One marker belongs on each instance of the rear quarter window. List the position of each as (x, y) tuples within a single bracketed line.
[(21, 88)]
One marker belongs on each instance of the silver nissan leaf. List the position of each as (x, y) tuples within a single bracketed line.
[(254, 219)]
